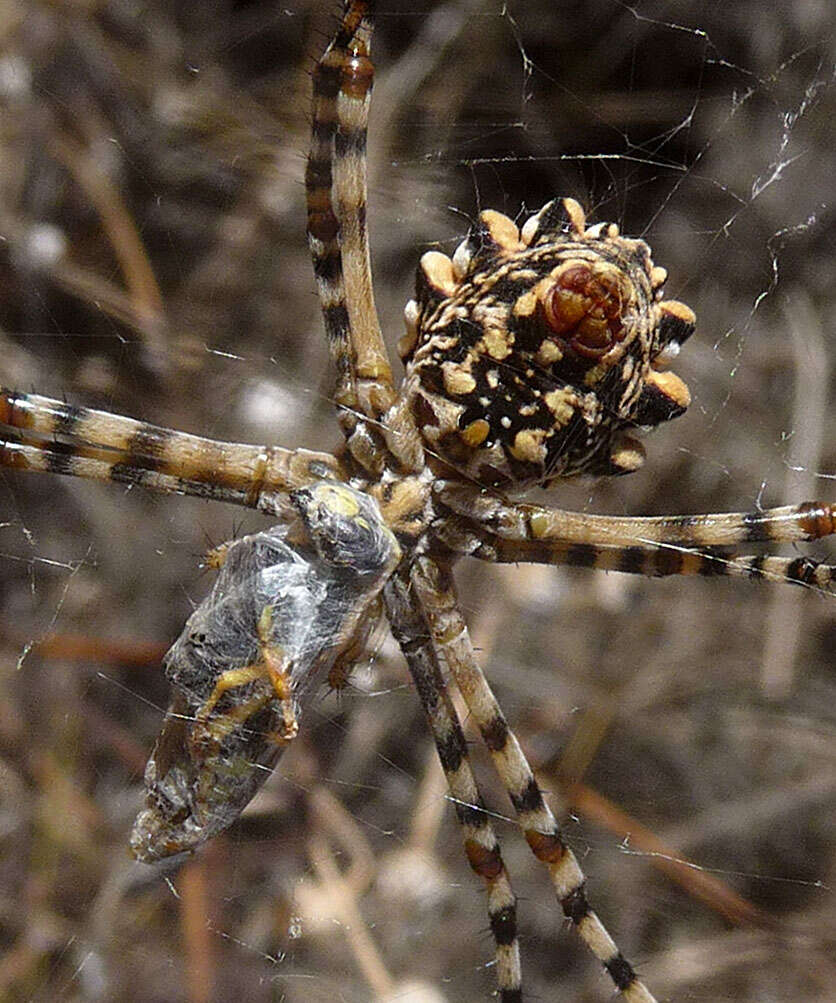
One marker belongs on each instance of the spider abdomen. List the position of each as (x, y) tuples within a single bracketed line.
[(532, 354)]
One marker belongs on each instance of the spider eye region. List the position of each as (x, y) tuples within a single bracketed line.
[(532, 353)]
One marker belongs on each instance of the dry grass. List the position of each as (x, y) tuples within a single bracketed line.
[(163, 145)]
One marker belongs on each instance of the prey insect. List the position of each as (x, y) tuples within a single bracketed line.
[(289, 604)]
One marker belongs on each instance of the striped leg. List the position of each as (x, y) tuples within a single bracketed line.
[(61, 438), (410, 630), (534, 523), (487, 527), (658, 560), (335, 181), (435, 592)]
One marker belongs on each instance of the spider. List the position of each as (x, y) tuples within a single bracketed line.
[(441, 464)]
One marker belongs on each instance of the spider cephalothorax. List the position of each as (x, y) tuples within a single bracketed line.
[(531, 353)]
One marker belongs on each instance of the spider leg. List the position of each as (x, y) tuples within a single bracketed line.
[(536, 523), (435, 593), (411, 630), (466, 536), (61, 438), (335, 182), (488, 527), (336, 189)]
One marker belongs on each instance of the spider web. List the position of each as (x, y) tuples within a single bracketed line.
[(703, 709)]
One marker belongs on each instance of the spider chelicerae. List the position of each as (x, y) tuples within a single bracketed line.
[(453, 504)]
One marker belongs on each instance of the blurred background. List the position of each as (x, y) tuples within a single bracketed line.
[(153, 262)]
